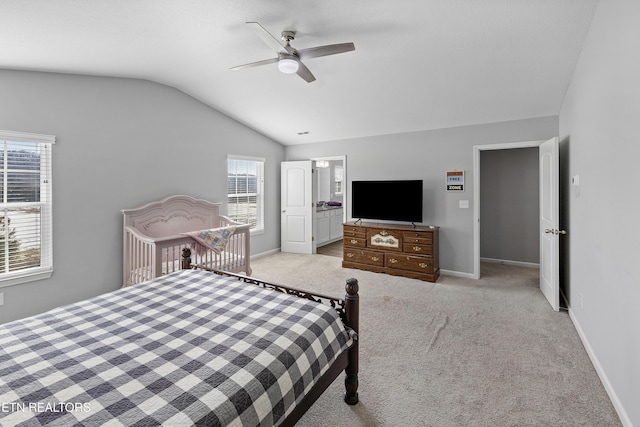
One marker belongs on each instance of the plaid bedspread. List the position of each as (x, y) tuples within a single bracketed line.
[(188, 349)]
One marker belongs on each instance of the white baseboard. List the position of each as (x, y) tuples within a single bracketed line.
[(457, 274), (263, 254), (622, 414), (509, 262)]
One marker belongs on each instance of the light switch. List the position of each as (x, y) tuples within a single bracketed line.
[(463, 204), (575, 180)]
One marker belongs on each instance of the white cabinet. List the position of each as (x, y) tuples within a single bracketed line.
[(328, 225), (335, 224), (323, 227)]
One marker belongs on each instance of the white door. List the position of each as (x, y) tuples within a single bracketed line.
[(549, 222), (297, 219)]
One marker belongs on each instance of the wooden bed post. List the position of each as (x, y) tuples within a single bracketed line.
[(352, 314), (185, 264)]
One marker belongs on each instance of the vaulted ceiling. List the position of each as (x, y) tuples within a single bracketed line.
[(417, 65)]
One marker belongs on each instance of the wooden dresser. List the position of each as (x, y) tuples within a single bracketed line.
[(401, 250)]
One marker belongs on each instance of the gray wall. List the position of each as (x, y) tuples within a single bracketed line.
[(600, 130), (428, 156), (509, 206), (120, 143)]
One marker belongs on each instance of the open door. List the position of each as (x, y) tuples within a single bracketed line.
[(297, 218), (549, 222)]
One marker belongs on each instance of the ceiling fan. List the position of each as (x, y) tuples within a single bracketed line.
[(290, 59)]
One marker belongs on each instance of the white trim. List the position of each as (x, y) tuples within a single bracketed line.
[(24, 277), (476, 192), (255, 159), (264, 254), (510, 262), (617, 404), (27, 137), (456, 274)]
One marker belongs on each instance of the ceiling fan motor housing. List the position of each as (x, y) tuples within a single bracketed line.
[(288, 35)]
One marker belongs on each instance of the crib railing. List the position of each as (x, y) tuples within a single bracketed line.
[(146, 258)]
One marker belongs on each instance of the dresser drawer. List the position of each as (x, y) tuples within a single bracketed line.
[(360, 242), (421, 237), (363, 257), (417, 248), (349, 231), (409, 262)]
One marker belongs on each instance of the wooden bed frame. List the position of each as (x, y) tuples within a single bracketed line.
[(152, 239), (349, 311)]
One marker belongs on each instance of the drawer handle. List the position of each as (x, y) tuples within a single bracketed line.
[(375, 258), (417, 248), (354, 241), (423, 265), (383, 233), (393, 260), (350, 255)]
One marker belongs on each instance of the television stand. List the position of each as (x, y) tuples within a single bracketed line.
[(401, 250)]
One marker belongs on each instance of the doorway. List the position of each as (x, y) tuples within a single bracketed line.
[(477, 172), (305, 222), (549, 213), (331, 203), (510, 207)]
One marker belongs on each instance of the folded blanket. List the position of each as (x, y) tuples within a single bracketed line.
[(216, 238)]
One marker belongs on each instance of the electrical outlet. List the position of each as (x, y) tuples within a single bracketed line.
[(581, 301), (463, 204)]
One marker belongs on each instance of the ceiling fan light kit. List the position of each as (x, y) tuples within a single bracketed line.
[(287, 64), (289, 58)]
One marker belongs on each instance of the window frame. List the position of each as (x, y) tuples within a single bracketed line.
[(260, 161), (45, 270), (338, 179)]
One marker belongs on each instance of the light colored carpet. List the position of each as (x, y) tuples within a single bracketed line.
[(459, 352)]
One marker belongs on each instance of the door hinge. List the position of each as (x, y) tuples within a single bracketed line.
[(553, 231)]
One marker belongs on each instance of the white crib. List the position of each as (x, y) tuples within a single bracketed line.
[(153, 243)]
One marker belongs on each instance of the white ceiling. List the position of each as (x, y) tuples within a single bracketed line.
[(418, 65)]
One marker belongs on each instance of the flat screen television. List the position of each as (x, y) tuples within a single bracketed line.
[(398, 200)]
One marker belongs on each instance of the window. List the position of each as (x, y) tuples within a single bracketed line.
[(338, 179), (25, 207), (245, 191)]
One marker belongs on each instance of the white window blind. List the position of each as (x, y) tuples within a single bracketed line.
[(245, 190), (25, 207)]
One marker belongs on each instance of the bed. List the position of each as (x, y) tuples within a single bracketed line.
[(190, 348), (155, 234)]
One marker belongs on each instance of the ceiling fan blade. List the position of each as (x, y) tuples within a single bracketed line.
[(269, 39), (304, 72), (254, 64), (331, 49)]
